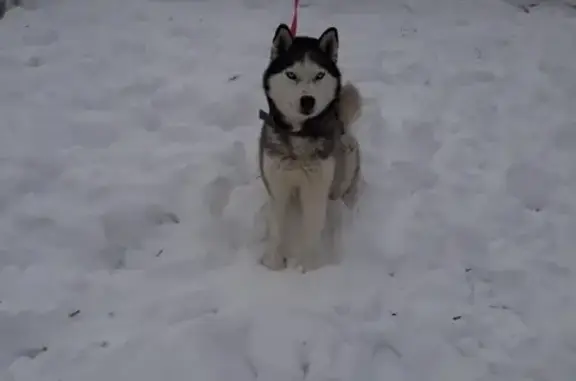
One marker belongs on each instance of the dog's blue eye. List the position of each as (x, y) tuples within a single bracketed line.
[(291, 75), (319, 76)]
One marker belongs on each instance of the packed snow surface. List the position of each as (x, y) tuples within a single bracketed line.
[(129, 196)]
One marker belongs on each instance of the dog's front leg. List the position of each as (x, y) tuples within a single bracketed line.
[(275, 256), (314, 198)]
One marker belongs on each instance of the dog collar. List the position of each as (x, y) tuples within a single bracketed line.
[(269, 120)]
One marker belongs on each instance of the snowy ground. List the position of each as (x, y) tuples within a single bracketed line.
[(129, 190)]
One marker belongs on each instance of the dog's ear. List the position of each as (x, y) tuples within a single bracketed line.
[(328, 42), (281, 42)]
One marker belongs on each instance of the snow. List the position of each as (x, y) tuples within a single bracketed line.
[(130, 198)]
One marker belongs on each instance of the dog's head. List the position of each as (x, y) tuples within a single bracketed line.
[(302, 78)]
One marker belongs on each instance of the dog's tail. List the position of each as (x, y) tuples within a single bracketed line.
[(350, 105)]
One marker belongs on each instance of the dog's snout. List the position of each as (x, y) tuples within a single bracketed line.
[(307, 104)]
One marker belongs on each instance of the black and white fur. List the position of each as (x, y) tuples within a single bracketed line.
[(308, 124)]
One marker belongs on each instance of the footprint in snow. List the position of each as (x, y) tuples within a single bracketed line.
[(40, 38), (565, 137), (143, 87), (412, 176), (531, 185), (238, 110), (469, 78), (217, 194), (127, 228), (420, 135)]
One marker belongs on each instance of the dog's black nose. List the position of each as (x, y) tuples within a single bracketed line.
[(307, 104)]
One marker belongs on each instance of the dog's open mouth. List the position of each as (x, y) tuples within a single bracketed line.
[(307, 104)]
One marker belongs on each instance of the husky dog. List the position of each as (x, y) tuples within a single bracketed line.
[(307, 154)]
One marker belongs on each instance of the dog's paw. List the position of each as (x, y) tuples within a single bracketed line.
[(307, 267), (273, 261), (308, 263)]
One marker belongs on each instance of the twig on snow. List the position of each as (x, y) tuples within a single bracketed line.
[(526, 8), (32, 353), (73, 314)]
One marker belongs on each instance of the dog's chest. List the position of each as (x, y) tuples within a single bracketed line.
[(295, 149)]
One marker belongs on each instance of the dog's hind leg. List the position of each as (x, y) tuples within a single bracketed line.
[(314, 200)]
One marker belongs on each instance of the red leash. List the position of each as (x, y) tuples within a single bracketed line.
[(294, 25)]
